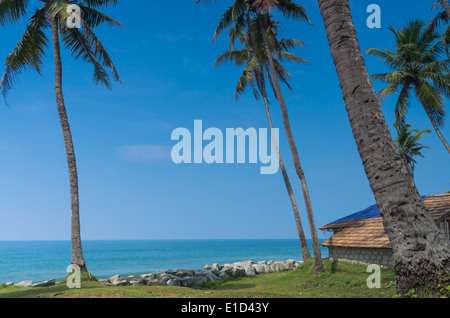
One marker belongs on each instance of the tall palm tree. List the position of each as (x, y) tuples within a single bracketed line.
[(420, 252), (445, 5), (82, 44), (265, 24), (441, 17), (239, 14), (255, 61), (408, 146), (417, 65)]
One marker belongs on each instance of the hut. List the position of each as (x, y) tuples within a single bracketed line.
[(360, 237)]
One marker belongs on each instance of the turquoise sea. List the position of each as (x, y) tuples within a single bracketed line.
[(42, 260)]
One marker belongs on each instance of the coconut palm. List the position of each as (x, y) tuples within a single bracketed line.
[(255, 61), (440, 18), (418, 65), (408, 145), (261, 9), (83, 44), (420, 252), (445, 5), (240, 14)]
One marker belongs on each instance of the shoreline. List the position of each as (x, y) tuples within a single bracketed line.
[(183, 277)]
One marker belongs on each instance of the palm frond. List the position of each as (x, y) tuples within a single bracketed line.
[(28, 53), (292, 10), (239, 57), (100, 53), (78, 44), (99, 3), (94, 18), (12, 11), (432, 100)]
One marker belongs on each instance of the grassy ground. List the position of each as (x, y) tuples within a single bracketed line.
[(340, 279)]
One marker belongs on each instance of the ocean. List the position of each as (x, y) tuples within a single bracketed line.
[(43, 260)]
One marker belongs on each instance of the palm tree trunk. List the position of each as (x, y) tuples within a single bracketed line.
[(293, 147), (446, 7), (301, 234), (436, 128), (420, 253), (77, 251)]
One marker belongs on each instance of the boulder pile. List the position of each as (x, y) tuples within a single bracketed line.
[(192, 278)]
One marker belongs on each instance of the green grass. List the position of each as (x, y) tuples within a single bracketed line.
[(339, 279)]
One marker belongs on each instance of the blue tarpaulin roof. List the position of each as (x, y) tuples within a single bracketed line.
[(369, 213)]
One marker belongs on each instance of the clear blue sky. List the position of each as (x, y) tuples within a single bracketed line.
[(129, 187)]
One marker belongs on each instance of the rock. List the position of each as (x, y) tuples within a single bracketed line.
[(244, 264), (122, 282), (274, 267), (132, 277), (46, 283), (184, 272), (217, 267), (199, 280), (117, 280), (187, 281), (250, 270), (223, 274), (135, 279), (25, 283), (8, 284), (261, 267), (164, 278), (290, 263), (282, 266), (237, 272), (154, 282), (114, 278), (174, 282), (208, 274), (192, 278)]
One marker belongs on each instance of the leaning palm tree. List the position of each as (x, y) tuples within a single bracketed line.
[(420, 252), (239, 14), (83, 44), (445, 5), (255, 61), (440, 18), (261, 8), (418, 65), (408, 146)]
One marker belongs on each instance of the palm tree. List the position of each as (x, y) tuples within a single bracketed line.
[(261, 7), (240, 14), (445, 5), (417, 65), (255, 61), (82, 44), (441, 17), (420, 252), (408, 145)]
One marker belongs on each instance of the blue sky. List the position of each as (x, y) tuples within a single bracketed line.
[(130, 188)]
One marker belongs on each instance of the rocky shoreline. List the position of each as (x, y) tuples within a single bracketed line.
[(187, 277)]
